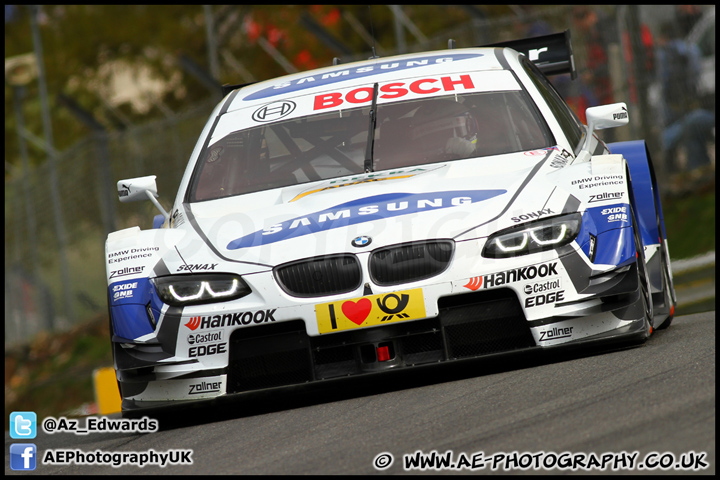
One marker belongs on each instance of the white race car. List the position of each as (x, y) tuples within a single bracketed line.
[(388, 214)]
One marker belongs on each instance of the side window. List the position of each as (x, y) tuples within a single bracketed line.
[(570, 124)]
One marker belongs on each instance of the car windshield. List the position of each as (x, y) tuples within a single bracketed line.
[(333, 144)]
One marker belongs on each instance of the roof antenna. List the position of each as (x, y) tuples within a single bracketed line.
[(372, 34)]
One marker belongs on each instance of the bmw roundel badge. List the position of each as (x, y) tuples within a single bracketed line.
[(361, 241)]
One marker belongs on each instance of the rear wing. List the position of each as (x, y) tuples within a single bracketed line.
[(552, 54), (229, 88)]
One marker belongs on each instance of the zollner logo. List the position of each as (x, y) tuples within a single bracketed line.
[(126, 271), (601, 197), (555, 332), (273, 111)]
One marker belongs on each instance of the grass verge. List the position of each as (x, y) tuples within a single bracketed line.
[(690, 224), (52, 375)]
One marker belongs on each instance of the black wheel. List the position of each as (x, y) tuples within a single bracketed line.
[(112, 345), (643, 277), (668, 288)]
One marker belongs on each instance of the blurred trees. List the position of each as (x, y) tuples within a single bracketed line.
[(120, 62)]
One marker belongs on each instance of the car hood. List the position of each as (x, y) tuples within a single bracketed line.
[(456, 200)]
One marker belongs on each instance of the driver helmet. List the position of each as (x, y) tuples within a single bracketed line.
[(444, 127)]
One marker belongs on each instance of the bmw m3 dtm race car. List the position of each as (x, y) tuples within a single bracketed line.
[(388, 214)]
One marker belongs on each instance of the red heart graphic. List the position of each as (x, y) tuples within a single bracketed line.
[(357, 312)]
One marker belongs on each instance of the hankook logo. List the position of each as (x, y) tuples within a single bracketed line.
[(273, 111)]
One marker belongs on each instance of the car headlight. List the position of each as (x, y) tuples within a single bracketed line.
[(533, 237), (181, 290)]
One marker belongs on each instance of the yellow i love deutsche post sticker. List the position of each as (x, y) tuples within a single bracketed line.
[(371, 310)]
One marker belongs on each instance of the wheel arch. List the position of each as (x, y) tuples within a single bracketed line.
[(645, 199), (644, 189)]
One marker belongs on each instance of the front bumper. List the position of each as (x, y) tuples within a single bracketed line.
[(484, 323)]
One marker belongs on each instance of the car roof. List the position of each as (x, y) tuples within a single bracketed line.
[(365, 73)]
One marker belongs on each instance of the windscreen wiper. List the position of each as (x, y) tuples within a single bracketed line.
[(371, 133)]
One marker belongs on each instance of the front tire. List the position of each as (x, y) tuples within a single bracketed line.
[(643, 276), (668, 289)]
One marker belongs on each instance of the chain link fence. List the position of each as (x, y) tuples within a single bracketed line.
[(34, 297), (618, 58)]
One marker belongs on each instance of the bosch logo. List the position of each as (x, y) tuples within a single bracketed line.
[(361, 241), (273, 111), (422, 86)]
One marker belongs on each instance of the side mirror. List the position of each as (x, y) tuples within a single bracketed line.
[(599, 118), (140, 188), (137, 189), (607, 116)]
